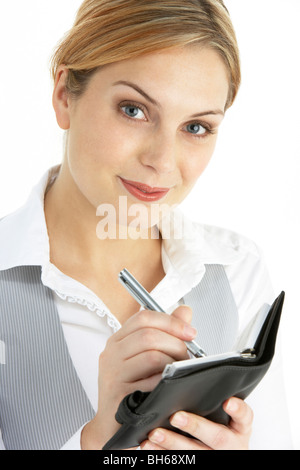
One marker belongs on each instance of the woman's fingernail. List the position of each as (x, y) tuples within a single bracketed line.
[(179, 420), (231, 406), (190, 331), (157, 437)]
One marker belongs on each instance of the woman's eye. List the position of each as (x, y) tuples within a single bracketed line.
[(133, 112), (196, 129)]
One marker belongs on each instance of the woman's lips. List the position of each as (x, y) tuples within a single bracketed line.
[(144, 192)]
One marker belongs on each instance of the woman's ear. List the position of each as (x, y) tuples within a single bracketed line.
[(60, 98)]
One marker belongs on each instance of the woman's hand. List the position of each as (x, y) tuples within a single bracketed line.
[(133, 359), (207, 435)]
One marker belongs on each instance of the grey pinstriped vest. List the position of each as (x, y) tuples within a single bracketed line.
[(42, 401)]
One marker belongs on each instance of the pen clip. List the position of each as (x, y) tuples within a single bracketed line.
[(138, 291), (133, 293)]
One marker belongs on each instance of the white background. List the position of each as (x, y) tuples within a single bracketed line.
[(252, 183)]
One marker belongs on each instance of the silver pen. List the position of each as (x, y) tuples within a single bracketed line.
[(144, 298)]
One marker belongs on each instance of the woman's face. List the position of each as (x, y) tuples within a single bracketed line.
[(151, 120)]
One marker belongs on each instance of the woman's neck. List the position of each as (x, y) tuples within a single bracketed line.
[(72, 222)]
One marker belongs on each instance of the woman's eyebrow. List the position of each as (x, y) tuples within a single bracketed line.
[(206, 113), (138, 89), (153, 101)]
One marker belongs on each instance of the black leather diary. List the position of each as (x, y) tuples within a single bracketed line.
[(201, 385)]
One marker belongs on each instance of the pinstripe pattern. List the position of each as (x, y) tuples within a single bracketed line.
[(42, 400), (215, 315)]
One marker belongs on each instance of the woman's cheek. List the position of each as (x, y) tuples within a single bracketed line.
[(194, 168)]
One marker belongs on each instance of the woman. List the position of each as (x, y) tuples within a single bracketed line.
[(141, 89)]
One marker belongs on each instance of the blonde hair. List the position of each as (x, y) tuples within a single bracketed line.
[(107, 31)]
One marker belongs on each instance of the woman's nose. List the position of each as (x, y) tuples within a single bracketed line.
[(160, 153)]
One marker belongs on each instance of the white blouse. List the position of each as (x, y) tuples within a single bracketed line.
[(87, 322)]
